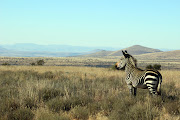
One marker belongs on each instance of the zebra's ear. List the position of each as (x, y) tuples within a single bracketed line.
[(123, 52), (126, 55)]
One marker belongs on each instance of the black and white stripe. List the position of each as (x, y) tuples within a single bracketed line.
[(153, 80), (137, 78)]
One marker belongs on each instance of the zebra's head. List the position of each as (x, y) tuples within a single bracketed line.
[(123, 60)]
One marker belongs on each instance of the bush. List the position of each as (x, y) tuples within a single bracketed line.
[(5, 64), (8, 105), (47, 115), (172, 108), (48, 93), (12, 105), (30, 103), (40, 62), (155, 67), (94, 108), (149, 67), (21, 114), (143, 112), (80, 100), (33, 64), (121, 108), (80, 113), (58, 104)]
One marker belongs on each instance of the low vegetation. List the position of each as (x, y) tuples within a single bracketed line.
[(82, 93), (5, 64), (85, 61), (155, 66), (38, 62)]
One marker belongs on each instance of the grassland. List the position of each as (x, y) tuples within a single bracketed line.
[(86, 93), (89, 61)]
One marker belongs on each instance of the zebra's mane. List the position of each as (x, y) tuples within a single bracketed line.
[(133, 61)]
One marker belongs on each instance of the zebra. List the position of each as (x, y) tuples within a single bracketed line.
[(138, 78)]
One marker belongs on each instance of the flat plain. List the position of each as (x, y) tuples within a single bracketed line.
[(82, 93), (106, 62)]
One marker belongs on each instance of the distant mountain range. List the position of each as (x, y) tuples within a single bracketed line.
[(34, 50), (53, 48)]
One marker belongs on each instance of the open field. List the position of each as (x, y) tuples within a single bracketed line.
[(89, 61), (86, 93)]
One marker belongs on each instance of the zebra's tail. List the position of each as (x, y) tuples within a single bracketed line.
[(159, 85)]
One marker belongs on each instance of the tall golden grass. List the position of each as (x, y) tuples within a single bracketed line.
[(68, 92)]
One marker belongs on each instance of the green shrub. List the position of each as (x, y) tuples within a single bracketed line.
[(48, 93), (40, 62), (107, 104), (80, 113), (121, 107), (130, 108), (149, 67), (142, 112), (8, 105), (155, 67), (5, 64), (33, 64), (46, 115), (80, 100), (156, 101), (172, 108), (58, 104), (21, 114), (94, 108), (30, 103)]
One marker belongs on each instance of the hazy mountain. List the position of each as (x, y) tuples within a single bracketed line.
[(54, 48), (36, 54), (101, 53), (2, 49), (134, 50), (171, 55), (34, 50)]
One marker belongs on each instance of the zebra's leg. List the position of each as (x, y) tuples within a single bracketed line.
[(130, 89), (134, 91), (152, 91)]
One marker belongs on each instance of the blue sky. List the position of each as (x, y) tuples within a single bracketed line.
[(113, 23)]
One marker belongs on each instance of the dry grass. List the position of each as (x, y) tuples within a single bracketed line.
[(69, 92)]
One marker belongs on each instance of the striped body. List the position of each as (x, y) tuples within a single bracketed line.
[(137, 78)]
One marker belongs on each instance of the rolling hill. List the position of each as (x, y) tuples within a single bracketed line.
[(33, 50), (168, 55), (101, 53), (134, 50)]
